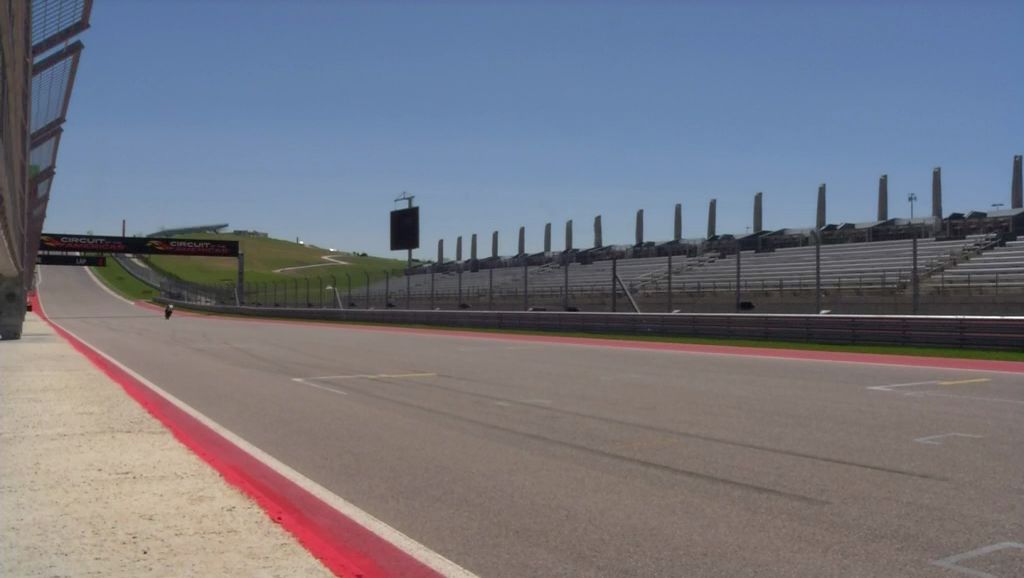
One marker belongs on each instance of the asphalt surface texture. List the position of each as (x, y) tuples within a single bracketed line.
[(540, 459)]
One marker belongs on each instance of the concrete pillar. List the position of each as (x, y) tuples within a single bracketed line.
[(677, 230), (883, 198), (598, 241), (937, 192), (440, 251), (472, 247), (1017, 188), (758, 222), (711, 218), (458, 249), (522, 241), (640, 227), (547, 237), (820, 221), (494, 244), (568, 235)]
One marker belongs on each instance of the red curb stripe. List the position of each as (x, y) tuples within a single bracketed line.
[(766, 352), (341, 544)]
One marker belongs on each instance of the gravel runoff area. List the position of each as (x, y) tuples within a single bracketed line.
[(92, 485)]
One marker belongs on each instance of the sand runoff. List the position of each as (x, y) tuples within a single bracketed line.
[(92, 485)]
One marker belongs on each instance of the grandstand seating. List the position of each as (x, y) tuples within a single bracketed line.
[(1002, 266), (881, 264)]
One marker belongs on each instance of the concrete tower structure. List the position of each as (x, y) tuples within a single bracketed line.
[(937, 192), (522, 241), (598, 241), (1017, 188), (472, 247), (758, 214), (711, 218), (677, 229), (494, 244), (568, 235), (820, 221), (883, 198), (640, 227)]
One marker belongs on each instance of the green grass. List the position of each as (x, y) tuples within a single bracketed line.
[(264, 256), (872, 349), (119, 280)]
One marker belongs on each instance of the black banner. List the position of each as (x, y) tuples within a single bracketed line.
[(73, 260), (138, 245)]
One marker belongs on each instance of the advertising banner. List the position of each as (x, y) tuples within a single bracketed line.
[(138, 245)]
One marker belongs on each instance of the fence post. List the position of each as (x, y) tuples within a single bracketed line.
[(565, 282), (669, 305), (914, 279), (408, 290), (459, 265), (387, 288), (320, 290), (367, 273), (266, 295), (817, 272), (526, 284), (432, 288), (490, 289), (615, 275), (738, 273), (334, 285), (349, 302)]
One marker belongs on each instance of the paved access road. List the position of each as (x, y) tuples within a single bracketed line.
[(539, 459)]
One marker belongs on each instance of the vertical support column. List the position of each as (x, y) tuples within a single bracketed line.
[(738, 276), (937, 193), (820, 221), (677, 229), (883, 198), (598, 241), (758, 213), (547, 238), (1017, 187), (669, 305), (711, 218), (526, 284), (915, 281), (615, 276), (640, 228), (240, 287), (817, 271)]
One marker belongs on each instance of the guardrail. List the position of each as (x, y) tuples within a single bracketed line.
[(929, 331)]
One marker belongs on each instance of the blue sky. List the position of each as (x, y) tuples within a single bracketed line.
[(308, 118)]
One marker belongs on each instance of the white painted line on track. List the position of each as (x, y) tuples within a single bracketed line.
[(965, 381), (425, 555), (953, 562), (931, 439), (103, 286), (318, 386), (894, 385), (371, 376)]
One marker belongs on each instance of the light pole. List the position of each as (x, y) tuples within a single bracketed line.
[(911, 197)]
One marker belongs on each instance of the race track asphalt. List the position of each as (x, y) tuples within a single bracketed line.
[(543, 459)]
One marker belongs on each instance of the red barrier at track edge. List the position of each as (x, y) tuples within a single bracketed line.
[(341, 544)]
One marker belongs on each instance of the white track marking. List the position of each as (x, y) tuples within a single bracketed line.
[(892, 385), (369, 376), (333, 261), (425, 555), (953, 562), (103, 286), (964, 381), (318, 386), (931, 439)]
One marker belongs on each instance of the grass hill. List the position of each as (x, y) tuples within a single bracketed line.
[(266, 261)]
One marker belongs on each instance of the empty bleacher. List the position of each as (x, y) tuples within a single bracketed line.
[(1002, 266)]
